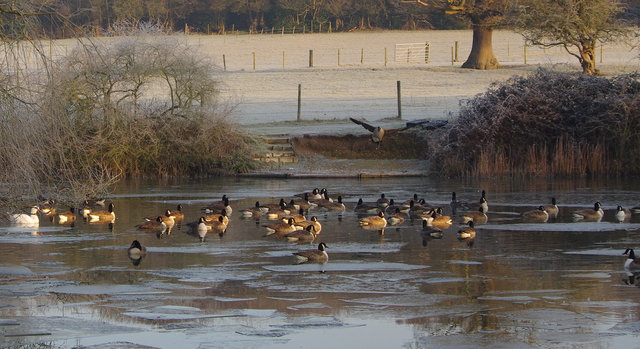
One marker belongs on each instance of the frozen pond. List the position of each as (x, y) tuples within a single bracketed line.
[(517, 284)]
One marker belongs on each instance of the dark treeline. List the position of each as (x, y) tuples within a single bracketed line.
[(206, 16)]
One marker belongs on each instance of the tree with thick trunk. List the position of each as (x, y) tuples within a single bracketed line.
[(576, 25), (484, 16)]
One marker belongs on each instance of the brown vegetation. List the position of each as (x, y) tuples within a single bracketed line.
[(405, 145), (547, 124)]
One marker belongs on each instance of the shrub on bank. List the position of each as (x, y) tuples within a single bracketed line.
[(139, 104), (549, 123)]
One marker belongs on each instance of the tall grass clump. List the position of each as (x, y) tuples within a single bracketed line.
[(549, 123), (140, 103)]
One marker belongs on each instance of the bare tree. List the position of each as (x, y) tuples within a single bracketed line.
[(484, 16), (576, 25)]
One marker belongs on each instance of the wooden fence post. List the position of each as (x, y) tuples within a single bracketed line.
[(399, 101), (310, 58), (456, 52), (299, 99), (224, 62), (254, 60), (385, 56), (338, 57)]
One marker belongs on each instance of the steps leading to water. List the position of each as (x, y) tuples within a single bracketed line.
[(278, 150)]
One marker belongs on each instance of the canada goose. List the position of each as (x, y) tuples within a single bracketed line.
[(332, 206), (483, 201), (396, 218), (414, 199), (269, 207), (467, 232), (85, 210), (177, 214), (94, 201), (417, 210), (314, 194), (313, 256), (26, 219), (457, 204), (552, 209), (361, 207), (304, 202), (631, 262), (307, 235), (298, 217), (538, 215), (374, 221), (313, 221), (430, 231), (215, 216), (590, 214), (156, 225), (393, 206), (622, 214), (382, 202), (255, 211), (136, 250), (439, 220), (48, 208), (278, 213), (478, 217), (103, 216), (377, 132), (324, 200), (168, 219), (281, 229), (67, 217), (216, 227), (219, 205)]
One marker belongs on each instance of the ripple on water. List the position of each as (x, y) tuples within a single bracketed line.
[(344, 266), (563, 227)]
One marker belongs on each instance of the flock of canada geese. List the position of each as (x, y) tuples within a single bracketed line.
[(291, 224)]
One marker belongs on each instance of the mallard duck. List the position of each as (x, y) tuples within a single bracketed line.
[(67, 217), (26, 219), (281, 229), (377, 221), (307, 235), (552, 209), (313, 256), (467, 232), (622, 214), (108, 216), (361, 207), (631, 262), (478, 217), (538, 215), (313, 221), (590, 214)]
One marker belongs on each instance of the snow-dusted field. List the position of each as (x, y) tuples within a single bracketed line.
[(330, 91)]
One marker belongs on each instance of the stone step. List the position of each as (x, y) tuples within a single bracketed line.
[(279, 154), (277, 140), (278, 160), (278, 150), (284, 147)]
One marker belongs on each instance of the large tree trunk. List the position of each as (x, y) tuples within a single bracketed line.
[(481, 56), (588, 58)]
